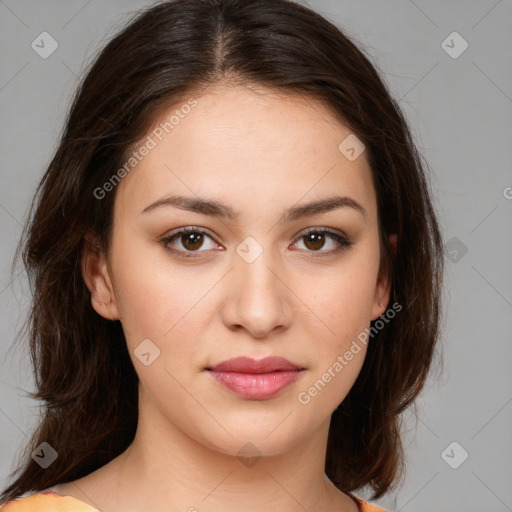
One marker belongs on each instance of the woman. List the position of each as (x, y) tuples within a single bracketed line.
[(236, 270)]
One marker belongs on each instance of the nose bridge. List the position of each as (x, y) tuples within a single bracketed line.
[(253, 268), (259, 295)]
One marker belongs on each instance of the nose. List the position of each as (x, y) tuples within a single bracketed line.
[(257, 297)]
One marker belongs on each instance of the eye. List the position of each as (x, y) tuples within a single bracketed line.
[(315, 239), (190, 238)]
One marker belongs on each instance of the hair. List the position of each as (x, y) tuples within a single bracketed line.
[(84, 376)]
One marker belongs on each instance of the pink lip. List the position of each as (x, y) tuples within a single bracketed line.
[(256, 380)]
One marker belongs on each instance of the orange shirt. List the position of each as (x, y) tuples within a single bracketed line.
[(53, 502)]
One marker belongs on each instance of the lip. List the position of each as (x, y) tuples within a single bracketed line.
[(249, 365), (256, 379)]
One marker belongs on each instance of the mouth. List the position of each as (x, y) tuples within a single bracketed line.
[(256, 380)]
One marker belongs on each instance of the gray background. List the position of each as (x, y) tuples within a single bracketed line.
[(460, 111)]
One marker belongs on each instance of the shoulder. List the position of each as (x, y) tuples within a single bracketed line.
[(46, 502), (368, 507), (364, 506)]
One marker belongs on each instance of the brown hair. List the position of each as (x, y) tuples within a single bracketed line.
[(83, 373)]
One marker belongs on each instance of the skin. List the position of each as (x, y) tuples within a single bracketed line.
[(260, 153)]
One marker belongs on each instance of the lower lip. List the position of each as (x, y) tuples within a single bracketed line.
[(256, 386)]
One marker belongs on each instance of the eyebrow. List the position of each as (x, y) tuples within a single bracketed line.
[(217, 209)]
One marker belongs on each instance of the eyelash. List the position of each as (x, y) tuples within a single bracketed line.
[(344, 242)]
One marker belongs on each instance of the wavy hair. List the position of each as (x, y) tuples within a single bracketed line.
[(84, 376)]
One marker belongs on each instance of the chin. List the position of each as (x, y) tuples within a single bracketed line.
[(254, 435)]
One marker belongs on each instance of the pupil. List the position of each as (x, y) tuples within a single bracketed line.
[(317, 239), (192, 238)]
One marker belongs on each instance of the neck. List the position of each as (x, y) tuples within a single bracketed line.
[(165, 469)]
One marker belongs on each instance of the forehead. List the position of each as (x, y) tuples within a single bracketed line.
[(237, 144)]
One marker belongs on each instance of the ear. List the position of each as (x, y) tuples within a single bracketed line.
[(97, 278), (383, 288)]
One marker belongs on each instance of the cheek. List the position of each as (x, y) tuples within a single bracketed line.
[(339, 347), (159, 301), (343, 298), (144, 293), (342, 302)]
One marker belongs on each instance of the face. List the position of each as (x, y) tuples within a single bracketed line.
[(257, 275)]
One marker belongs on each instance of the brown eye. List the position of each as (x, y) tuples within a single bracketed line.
[(316, 239), (187, 241), (192, 241)]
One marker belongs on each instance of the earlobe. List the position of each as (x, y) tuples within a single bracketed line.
[(97, 279), (383, 289), (381, 301)]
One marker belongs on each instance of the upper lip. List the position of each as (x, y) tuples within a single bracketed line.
[(249, 365)]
